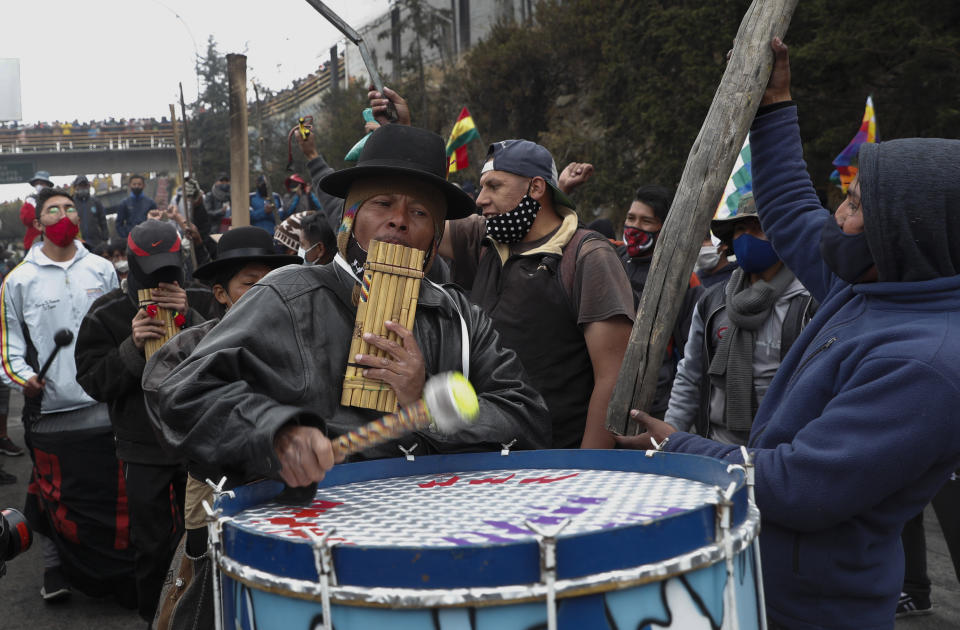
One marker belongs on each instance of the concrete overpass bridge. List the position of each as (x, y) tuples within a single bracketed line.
[(25, 151)]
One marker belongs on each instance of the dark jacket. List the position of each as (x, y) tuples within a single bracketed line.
[(859, 428), (93, 220), (109, 368), (131, 212), (696, 398), (224, 404)]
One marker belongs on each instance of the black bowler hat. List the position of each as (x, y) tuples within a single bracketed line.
[(248, 245), (404, 150)]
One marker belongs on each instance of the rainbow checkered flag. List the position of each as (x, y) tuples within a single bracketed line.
[(463, 132), (739, 184), (844, 162)]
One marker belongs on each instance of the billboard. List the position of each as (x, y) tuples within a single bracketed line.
[(10, 90)]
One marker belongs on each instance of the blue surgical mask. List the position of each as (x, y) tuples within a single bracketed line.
[(754, 254)]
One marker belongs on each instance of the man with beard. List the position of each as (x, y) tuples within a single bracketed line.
[(555, 291), (255, 404), (93, 218)]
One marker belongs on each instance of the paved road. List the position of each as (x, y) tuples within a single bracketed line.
[(22, 609)]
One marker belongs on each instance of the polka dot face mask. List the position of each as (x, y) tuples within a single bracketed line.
[(511, 227)]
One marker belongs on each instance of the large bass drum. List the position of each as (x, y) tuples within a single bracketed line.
[(536, 539)]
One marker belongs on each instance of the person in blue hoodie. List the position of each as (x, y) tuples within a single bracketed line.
[(133, 210), (264, 206), (859, 429)]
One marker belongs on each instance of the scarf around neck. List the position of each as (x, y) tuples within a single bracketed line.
[(748, 307)]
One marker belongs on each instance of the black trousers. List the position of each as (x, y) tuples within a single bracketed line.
[(155, 495), (946, 505)]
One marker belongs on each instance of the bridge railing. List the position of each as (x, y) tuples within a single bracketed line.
[(33, 142)]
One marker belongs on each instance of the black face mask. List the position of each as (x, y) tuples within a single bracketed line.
[(224, 187), (356, 256), (847, 255)]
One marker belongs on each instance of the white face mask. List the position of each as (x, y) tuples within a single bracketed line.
[(707, 258), (39, 187), (302, 253)]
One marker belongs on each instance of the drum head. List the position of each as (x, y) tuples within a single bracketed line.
[(465, 520)]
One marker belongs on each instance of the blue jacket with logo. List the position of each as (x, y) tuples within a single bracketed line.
[(861, 425)]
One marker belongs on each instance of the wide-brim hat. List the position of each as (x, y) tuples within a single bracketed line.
[(746, 209), (41, 176), (406, 151), (247, 245)]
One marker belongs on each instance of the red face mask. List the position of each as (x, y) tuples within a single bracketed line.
[(62, 232), (639, 242)]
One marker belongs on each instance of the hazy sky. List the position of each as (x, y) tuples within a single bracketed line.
[(124, 58)]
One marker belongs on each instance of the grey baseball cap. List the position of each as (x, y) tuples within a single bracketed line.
[(526, 159)]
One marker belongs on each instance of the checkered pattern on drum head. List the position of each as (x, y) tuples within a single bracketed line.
[(479, 508)]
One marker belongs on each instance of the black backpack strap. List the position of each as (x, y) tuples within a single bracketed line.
[(801, 310)]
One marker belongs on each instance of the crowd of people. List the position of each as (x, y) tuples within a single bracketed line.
[(824, 342)]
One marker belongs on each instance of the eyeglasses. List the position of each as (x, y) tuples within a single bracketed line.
[(55, 210)]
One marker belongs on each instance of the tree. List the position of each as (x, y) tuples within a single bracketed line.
[(210, 123)]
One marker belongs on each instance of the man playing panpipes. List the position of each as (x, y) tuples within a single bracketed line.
[(263, 389), (112, 348)]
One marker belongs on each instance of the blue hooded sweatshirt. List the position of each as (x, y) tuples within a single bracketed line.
[(861, 425)]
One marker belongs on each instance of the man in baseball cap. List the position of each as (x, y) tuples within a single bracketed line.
[(556, 292), (110, 362)]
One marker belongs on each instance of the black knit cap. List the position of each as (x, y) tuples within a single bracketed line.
[(244, 244)]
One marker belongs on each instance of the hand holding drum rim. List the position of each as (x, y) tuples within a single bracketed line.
[(654, 428), (305, 454)]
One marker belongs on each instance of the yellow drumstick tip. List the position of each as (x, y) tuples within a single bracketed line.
[(464, 396)]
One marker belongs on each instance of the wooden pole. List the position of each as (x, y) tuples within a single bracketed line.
[(187, 207), (239, 141), (711, 159), (176, 143), (186, 135)]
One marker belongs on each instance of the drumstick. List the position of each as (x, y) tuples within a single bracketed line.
[(448, 399)]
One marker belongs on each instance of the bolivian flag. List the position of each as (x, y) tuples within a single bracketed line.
[(463, 132)]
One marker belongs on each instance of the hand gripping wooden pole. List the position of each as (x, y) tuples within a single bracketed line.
[(711, 159)]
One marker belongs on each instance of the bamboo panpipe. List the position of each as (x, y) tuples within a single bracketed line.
[(165, 315), (388, 291)]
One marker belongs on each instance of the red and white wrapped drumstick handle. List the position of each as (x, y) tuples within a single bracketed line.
[(448, 399)]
